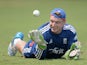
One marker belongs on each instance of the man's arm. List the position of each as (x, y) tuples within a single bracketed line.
[(37, 37)]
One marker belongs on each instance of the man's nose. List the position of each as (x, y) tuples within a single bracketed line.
[(54, 23)]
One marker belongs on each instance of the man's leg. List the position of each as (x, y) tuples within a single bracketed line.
[(20, 45), (17, 43)]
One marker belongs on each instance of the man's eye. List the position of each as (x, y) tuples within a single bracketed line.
[(52, 21)]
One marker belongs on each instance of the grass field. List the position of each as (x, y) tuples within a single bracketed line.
[(16, 15)]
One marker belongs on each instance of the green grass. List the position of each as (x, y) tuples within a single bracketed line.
[(16, 15)]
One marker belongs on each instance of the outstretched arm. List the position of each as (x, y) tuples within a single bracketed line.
[(37, 37)]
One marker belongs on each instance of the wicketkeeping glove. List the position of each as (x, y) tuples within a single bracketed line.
[(73, 52), (37, 37)]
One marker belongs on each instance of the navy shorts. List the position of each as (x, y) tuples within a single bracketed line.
[(29, 49)]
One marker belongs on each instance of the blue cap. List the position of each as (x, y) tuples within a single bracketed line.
[(58, 13)]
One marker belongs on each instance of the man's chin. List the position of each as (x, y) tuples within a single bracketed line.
[(54, 31)]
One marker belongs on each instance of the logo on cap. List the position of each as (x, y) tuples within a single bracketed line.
[(57, 13)]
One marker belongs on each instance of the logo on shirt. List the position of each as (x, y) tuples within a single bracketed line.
[(57, 50), (64, 40), (51, 41)]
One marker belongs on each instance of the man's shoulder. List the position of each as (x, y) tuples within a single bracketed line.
[(69, 28), (45, 27)]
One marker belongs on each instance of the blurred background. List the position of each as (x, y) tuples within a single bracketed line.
[(16, 15)]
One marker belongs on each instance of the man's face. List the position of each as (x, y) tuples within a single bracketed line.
[(56, 24)]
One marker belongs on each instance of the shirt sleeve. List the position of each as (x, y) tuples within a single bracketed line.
[(72, 39), (43, 25)]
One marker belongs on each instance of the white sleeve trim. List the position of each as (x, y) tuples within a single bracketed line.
[(45, 28), (69, 27)]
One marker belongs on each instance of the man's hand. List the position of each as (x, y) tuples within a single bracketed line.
[(37, 37), (73, 52)]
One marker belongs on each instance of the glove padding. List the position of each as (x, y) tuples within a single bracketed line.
[(37, 37), (73, 52), (39, 53)]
